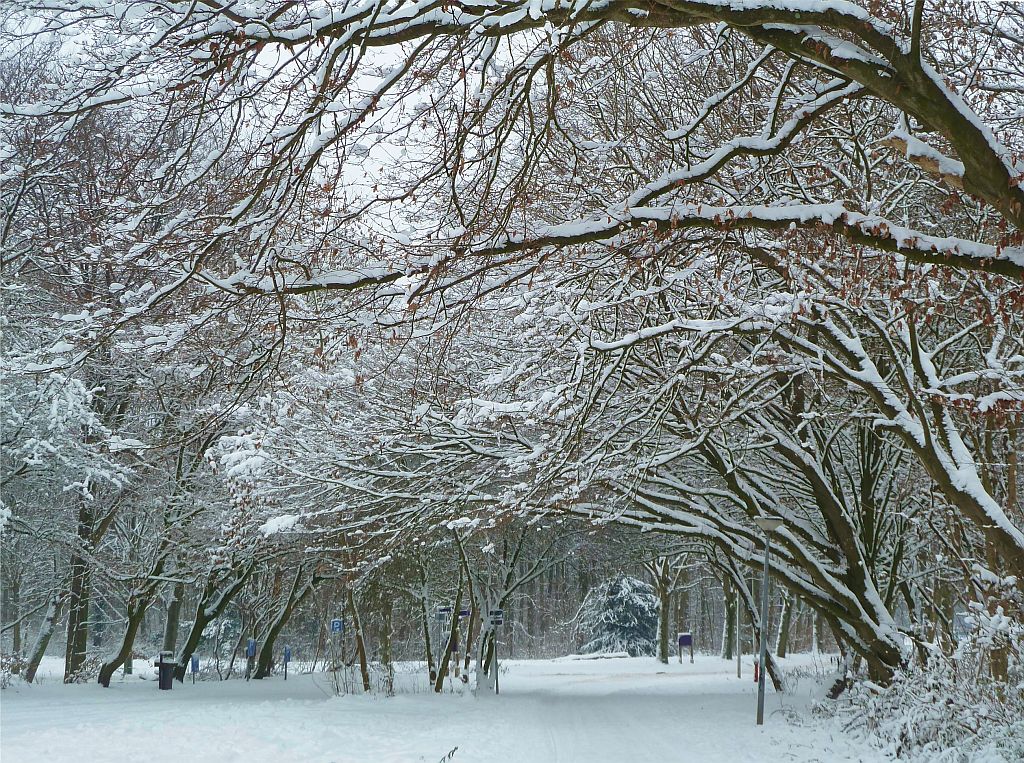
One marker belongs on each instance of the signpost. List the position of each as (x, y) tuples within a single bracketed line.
[(194, 663), (287, 659), (496, 618), (250, 657), (685, 639), (441, 614), (337, 627)]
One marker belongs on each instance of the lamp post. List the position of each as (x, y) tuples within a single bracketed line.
[(768, 525)]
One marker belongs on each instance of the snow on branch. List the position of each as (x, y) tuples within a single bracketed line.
[(869, 230), (919, 153)]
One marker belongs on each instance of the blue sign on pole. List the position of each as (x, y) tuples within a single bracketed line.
[(250, 649), (337, 625), (463, 613), (287, 654), (685, 639), (195, 663)]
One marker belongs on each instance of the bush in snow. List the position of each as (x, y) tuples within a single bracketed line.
[(10, 665), (620, 615), (952, 708)]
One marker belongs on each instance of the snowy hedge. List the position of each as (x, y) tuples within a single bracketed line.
[(950, 708)]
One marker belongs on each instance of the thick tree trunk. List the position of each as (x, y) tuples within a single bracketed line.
[(173, 617), (728, 627), (216, 596), (137, 605), (46, 629), (265, 663), (485, 658), (136, 611), (453, 639), (78, 620), (816, 629), (782, 644), (78, 600)]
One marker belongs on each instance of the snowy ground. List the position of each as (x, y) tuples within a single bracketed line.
[(549, 710)]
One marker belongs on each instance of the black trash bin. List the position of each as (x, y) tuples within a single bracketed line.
[(165, 670)]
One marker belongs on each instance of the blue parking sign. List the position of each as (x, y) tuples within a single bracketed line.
[(287, 654), (195, 663), (250, 649), (337, 626)]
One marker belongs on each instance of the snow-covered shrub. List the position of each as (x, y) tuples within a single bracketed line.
[(952, 708), (10, 665), (87, 672), (620, 615)]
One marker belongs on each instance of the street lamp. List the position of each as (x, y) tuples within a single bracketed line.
[(768, 525)]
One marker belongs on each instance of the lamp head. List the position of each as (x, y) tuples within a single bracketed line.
[(769, 524)]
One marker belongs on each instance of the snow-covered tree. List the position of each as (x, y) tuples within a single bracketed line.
[(620, 615)]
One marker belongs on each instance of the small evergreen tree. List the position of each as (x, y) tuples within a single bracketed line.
[(620, 615)]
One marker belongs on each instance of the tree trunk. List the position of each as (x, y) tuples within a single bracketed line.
[(11, 601), (265, 664), (215, 599), (234, 652), (46, 629), (78, 600), (357, 630), (472, 631), (782, 645), (425, 622), (136, 611), (728, 629), (173, 616), (385, 645), (453, 639), (485, 658), (664, 615), (816, 633), (78, 620)]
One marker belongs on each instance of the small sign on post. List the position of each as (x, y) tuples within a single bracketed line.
[(337, 627), (287, 659), (685, 640), (250, 658), (194, 664)]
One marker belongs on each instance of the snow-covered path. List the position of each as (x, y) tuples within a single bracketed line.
[(549, 710)]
